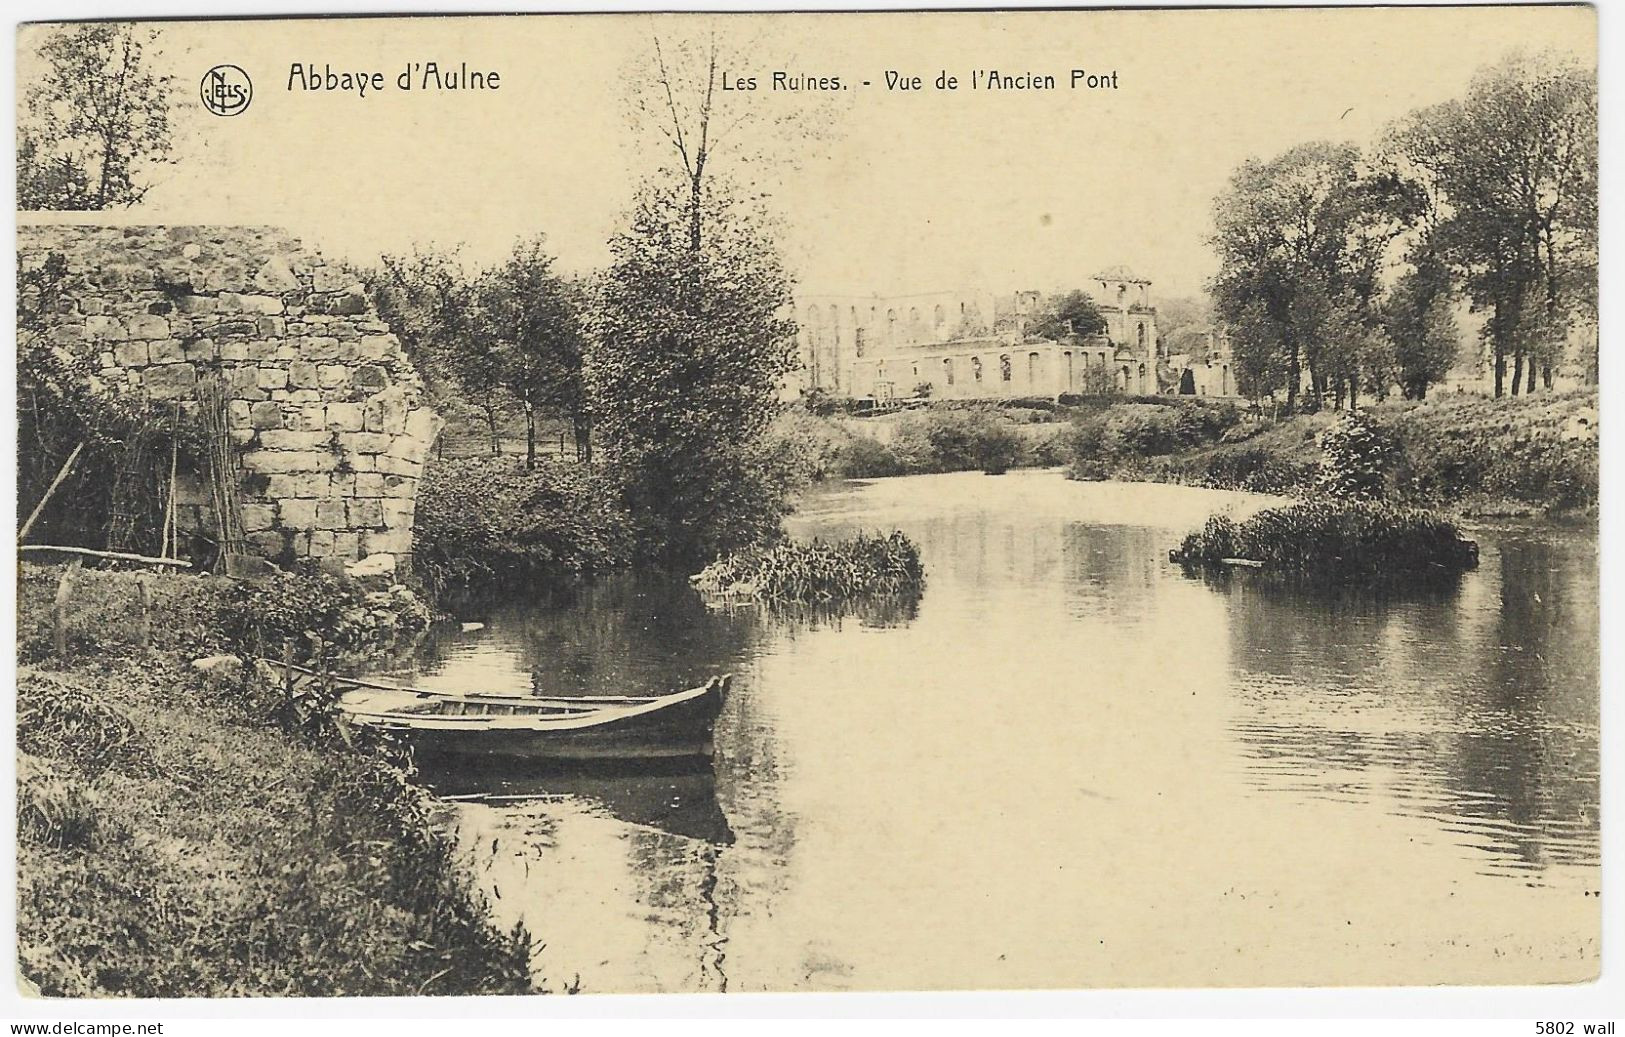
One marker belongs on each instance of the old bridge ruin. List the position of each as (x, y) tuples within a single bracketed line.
[(326, 414)]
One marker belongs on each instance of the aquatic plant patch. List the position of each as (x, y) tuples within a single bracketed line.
[(820, 570), (1346, 540)]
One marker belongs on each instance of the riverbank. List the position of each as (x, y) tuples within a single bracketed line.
[(1482, 458), (181, 833)]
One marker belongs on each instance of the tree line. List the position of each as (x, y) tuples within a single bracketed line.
[(1341, 268)]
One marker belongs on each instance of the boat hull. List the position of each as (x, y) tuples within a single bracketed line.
[(678, 731)]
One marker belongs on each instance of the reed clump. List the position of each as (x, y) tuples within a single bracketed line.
[(861, 565), (1342, 540)]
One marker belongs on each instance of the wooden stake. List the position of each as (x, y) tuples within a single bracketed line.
[(143, 629), (59, 612), (61, 474), (172, 541)]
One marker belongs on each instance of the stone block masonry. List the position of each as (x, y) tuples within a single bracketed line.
[(324, 407)]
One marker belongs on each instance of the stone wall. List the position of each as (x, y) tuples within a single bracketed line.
[(324, 407)]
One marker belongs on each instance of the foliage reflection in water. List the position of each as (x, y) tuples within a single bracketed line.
[(1070, 765)]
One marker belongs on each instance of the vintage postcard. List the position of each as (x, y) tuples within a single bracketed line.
[(716, 503)]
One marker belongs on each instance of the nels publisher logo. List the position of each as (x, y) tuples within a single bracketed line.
[(226, 90)]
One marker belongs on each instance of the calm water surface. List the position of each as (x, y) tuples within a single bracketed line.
[(1071, 765)]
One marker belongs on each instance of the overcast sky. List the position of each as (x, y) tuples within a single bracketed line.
[(907, 191)]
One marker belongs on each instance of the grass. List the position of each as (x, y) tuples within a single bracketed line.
[(176, 838), (1521, 456)]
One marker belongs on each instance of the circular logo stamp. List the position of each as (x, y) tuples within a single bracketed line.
[(226, 90)]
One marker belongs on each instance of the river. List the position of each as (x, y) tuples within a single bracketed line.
[(1070, 766)]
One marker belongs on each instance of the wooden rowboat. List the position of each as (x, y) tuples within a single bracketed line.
[(591, 727)]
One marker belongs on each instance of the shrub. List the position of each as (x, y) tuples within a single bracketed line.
[(1343, 540), (820, 570), (809, 446), (956, 440), (864, 457), (197, 614), (258, 615), (1356, 454), (492, 521)]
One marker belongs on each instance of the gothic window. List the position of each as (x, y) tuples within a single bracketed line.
[(1071, 379), (976, 367), (948, 369), (1032, 368), (1142, 338), (938, 317), (857, 340), (891, 325), (1004, 368)]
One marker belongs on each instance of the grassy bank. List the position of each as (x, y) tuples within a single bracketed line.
[(1478, 456), (948, 436), (185, 833)]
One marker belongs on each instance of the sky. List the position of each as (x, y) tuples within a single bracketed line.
[(898, 191)]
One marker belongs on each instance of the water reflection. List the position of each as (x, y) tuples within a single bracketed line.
[(1475, 706), (1069, 765), (676, 797)]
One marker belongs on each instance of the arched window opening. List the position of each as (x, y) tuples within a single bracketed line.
[(948, 369), (976, 368), (857, 340), (1032, 368), (938, 317), (1004, 367), (1071, 377)]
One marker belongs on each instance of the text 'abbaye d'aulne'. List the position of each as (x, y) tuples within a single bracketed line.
[(428, 76)]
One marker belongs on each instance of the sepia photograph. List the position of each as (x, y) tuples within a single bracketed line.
[(807, 502)]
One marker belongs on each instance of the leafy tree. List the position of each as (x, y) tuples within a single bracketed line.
[(534, 319), (432, 304), (1073, 313), (1300, 240), (1512, 167), (1420, 321), (94, 119), (685, 373), (690, 346)]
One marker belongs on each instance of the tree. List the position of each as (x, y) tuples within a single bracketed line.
[(534, 320), (431, 303), (1300, 240), (684, 375), (1073, 313), (691, 343), (1512, 168), (1420, 321), (96, 117)]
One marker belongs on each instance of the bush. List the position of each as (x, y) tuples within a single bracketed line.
[(809, 445), (490, 521), (864, 457), (350, 621), (1356, 454), (198, 614), (957, 440), (820, 570), (1349, 540)]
